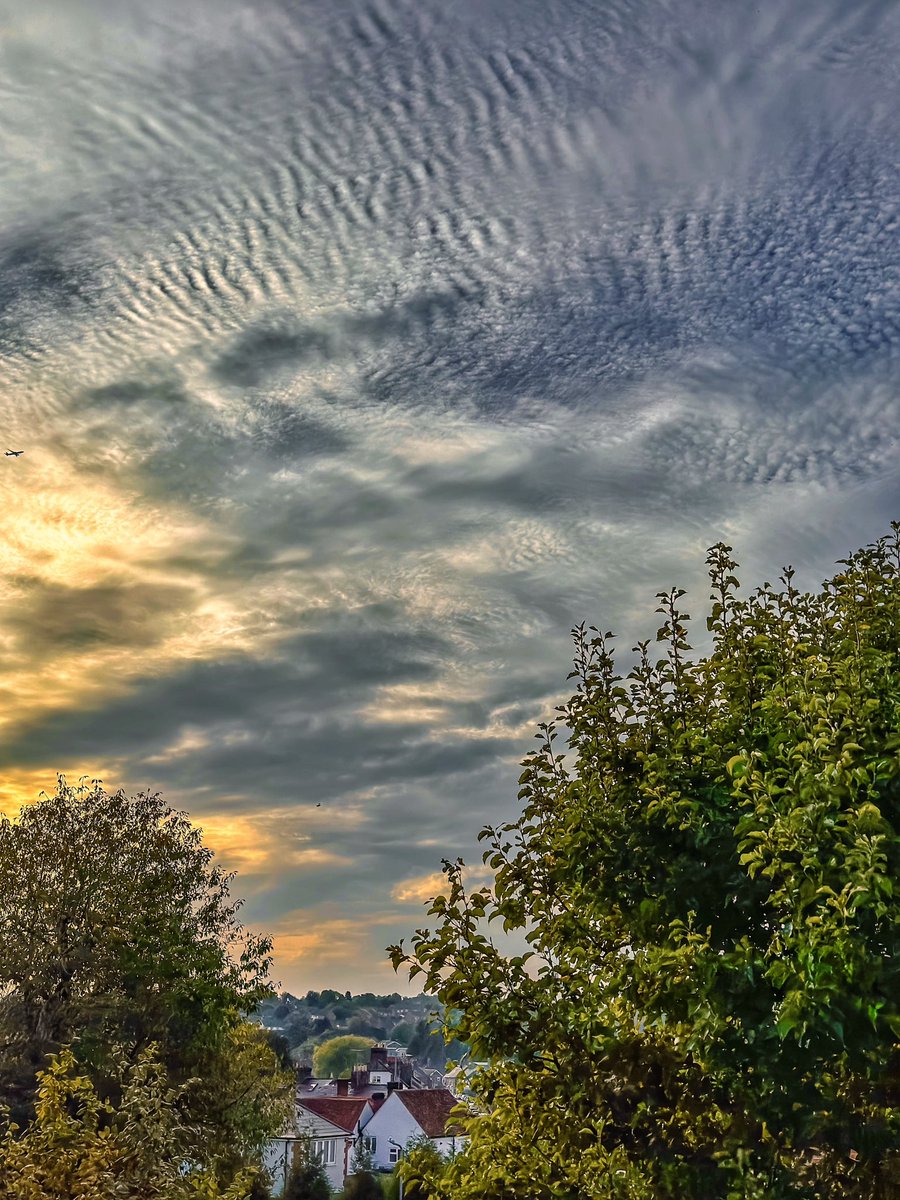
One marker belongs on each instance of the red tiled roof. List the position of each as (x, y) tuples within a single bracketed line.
[(341, 1111), (431, 1107)]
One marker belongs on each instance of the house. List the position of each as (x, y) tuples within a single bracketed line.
[(325, 1126), (389, 1063), (459, 1080), (278, 1157), (409, 1113)]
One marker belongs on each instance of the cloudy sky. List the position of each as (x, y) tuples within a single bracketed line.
[(359, 348)]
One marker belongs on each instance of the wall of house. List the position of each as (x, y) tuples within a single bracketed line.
[(311, 1125), (393, 1122), (276, 1160)]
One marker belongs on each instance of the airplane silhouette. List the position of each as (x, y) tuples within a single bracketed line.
[(14, 453)]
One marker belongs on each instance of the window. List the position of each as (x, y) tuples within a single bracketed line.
[(323, 1148), (369, 1144), (394, 1154)]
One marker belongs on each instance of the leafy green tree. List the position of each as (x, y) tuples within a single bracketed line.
[(706, 1003), (307, 1180), (280, 1047), (422, 1167), (243, 1098), (336, 1058), (117, 930), (81, 1147), (363, 1027), (430, 1046), (260, 1188), (391, 1186), (362, 1185)]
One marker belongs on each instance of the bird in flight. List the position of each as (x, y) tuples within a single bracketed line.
[(14, 453)]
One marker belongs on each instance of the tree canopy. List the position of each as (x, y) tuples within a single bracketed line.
[(118, 931), (707, 1002), (337, 1057), (307, 1178)]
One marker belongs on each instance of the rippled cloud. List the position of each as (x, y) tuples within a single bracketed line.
[(360, 349)]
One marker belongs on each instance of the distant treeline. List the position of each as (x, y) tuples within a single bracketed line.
[(299, 1024)]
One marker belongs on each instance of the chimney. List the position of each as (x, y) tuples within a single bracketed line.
[(394, 1086), (343, 1087)]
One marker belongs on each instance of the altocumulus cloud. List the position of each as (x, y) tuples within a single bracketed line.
[(360, 349)]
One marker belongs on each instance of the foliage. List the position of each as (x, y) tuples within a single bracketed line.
[(311, 1019), (117, 930), (390, 1185), (81, 1147), (707, 1006), (244, 1097), (433, 1043), (337, 1057), (421, 1167), (260, 1188), (307, 1180), (362, 1159), (362, 1185)]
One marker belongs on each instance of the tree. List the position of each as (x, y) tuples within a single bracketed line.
[(260, 1188), (244, 1097), (307, 1179), (362, 1185), (118, 931), (422, 1165), (81, 1147), (429, 1045), (391, 1185), (706, 1003), (364, 1027), (362, 1160), (337, 1057)]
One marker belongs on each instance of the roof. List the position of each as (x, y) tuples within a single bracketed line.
[(343, 1111), (431, 1107)]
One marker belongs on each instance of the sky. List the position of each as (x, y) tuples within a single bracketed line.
[(360, 348)]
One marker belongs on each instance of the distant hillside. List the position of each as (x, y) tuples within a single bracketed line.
[(300, 1023)]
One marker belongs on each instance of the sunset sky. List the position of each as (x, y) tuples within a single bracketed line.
[(359, 348)]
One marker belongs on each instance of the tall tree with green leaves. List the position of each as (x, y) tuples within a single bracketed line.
[(118, 931), (337, 1057), (307, 1178), (707, 886)]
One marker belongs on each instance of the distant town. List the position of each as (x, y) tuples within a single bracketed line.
[(302, 1023), (374, 1075)]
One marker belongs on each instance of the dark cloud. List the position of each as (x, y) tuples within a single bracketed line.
[(41, 274), (312, 680), (177, 445), (163, 394), (53, 617), (259, 353)]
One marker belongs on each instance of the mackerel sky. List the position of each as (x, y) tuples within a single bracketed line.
[(359, 348)]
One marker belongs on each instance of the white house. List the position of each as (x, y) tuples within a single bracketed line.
[(277, 1159), (329, 1127), (409, 1113), (459, 1080)]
